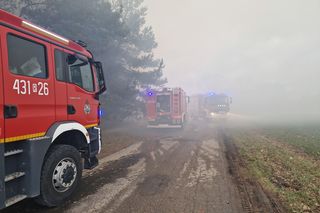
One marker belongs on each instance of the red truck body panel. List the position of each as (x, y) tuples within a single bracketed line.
[(167, 107), (45, 100)]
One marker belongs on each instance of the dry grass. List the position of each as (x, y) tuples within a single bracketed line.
[(305, 138), (284, 165)]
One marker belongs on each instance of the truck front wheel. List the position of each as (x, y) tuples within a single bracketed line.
[(60, 176)]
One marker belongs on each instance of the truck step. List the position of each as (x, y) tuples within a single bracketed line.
[(14, 200), (13, 176), (13, 152)]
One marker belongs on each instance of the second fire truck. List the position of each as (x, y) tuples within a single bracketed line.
[(166, 108), (217, 103)]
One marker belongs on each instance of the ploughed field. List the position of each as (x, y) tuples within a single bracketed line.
[(210, 166)]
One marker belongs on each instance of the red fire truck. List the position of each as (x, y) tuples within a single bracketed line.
[(167, 108), (49, 112), (217, 104)]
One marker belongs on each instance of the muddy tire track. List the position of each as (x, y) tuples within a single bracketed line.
[(197, 170)]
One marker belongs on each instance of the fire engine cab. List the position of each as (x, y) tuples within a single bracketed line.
[(217, 104), (166, 108), (49, 113)]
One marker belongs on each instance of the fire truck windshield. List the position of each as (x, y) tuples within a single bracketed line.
[(163, 103), (218, 100)]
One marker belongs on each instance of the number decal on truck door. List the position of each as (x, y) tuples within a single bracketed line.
[(43, 88), (24, 87)]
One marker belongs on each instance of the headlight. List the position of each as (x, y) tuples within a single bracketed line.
[(212, 114)]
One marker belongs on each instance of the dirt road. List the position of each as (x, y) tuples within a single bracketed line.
[(161, 171)]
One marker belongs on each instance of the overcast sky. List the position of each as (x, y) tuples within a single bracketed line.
[(264, 53)]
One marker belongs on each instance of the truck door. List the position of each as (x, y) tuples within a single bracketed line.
[(61, 70), (29, 91), (82, 106)]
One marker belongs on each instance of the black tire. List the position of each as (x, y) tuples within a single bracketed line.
[(57, 157)]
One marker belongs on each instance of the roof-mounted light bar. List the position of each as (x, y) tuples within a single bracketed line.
[(44, 32)]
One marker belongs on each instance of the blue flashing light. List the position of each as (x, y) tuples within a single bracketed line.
[(100, 113), (211, 94), (149, 93)]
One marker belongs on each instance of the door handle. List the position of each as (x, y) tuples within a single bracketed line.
[(10, 111), (71, 110)]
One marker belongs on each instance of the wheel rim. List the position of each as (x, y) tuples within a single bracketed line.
[(64, 175)]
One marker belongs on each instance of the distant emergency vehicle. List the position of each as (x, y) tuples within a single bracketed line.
[(49, 112), (217, 103), (166, 108)]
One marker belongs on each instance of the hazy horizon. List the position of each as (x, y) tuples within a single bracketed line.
[(265, 54)]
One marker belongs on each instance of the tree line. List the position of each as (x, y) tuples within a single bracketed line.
[(117, 34)]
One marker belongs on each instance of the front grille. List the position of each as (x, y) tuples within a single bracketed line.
[(164, 119)]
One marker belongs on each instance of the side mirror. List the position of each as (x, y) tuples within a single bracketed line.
[(230, 100), (100, 76), (188, 99)]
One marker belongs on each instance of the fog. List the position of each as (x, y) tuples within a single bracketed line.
[(265, 54)]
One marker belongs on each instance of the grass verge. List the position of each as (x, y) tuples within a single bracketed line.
[(284, 165)]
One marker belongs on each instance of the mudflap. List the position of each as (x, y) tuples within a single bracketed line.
[(36, 150), (90, 163), (94, 148), (2, 176)]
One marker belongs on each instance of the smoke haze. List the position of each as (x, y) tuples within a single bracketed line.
[(264, 53)]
